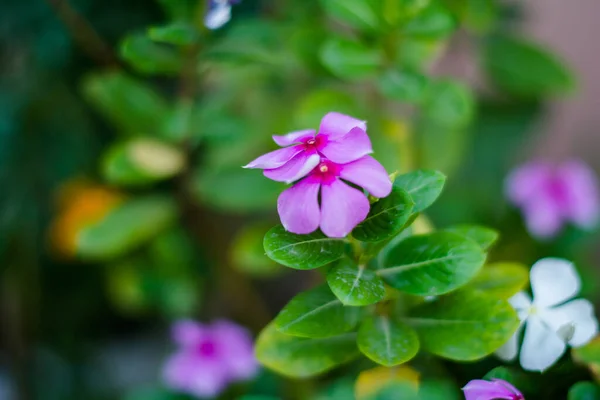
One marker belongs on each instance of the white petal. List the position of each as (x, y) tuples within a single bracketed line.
[(520, 301), (577, 313), (541, 346), (218, 16), (553, 281), (510, 349)]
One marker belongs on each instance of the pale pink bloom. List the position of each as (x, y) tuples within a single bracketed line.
[(209, 357), (340, 139), (496, 389), (552, 195), (342, 207)]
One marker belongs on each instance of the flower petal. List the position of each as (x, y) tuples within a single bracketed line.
[(580, 193), (218, 16), (350, 147), (527, 181), (542, 347), (368, 173), (275, 159), (479, 389), (335, 125), (298, 167), (238, 349), (509, 386), (294, 137), (579, 314), (194, 375), (510, 349), (298, 206), (543, 216), (187, 333), (342, 208), (553, 281)]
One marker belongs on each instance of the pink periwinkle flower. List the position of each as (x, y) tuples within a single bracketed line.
[(342, 207), (340, 139), (553, 195), (496, 389), (209, 357)]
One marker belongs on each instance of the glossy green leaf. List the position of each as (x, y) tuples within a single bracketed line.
[(434, 22), (525, 69), (177, 34), (355, 285), (464, 326), (589, 355), (432, 264), (387, 342), (248, 254), (503, 279), (360, 14), (584, 391), (387, 217), (298, 357), (483, 236), (302, 251), (423, 186), (404, 85), (126, 227), (131, 105), (316, 313), (349, 59), (449, 104), (149, 57)]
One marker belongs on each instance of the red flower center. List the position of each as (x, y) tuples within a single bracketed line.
[(207, 348)]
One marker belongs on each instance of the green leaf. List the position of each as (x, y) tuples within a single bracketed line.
[(417, 54), (349, 59), (248, 254), (404, 85), (126, 227), (130, 104), (302, 251), (481, 235), (502, 280), (423, 186), (449, 104), (359, 14), (355, 285), (179, 34), (179, 9), (311, 108), (386, 218), (316, 313), (434, 22), (525, 69), (584, 391), (464, 326), (386, 341), (141, 161), (433, 264), (149, 57), (298, 357), (589, 355)]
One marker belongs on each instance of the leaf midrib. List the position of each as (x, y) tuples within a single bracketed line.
[(305, 242), (405, 267), (311, 312)]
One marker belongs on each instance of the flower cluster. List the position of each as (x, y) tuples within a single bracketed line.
[(320, 163), (209, 357), (553, 319), (496, 389), (552, 195)]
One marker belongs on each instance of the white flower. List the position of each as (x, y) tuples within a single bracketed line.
[(551, 321), (219, 14)]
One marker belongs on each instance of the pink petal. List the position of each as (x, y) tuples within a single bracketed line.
[(342, 208), (350, 147), (479, 389), (298, 167), (190, 374), (187, 333), (509, 386), (275, 159), (527, 181), (580, 193), (298, 206), (335, 125), (294, 137), (543, 217), (368, 173), (238, 349)]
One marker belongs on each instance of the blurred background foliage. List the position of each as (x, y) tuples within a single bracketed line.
[(123, 127)]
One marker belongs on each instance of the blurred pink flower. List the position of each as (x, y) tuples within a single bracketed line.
[(340, 139), (497, 389), (342, 206), (552, 195), (209, 357)]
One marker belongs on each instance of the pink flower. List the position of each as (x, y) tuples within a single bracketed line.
[(497, 389), (342, 206), (340, 139), (552, 195), (209, 357)]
